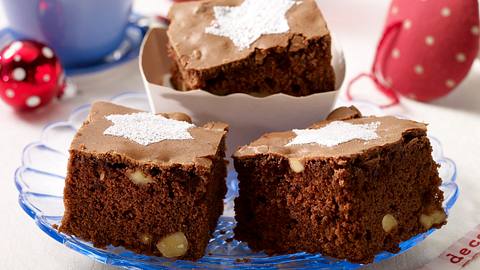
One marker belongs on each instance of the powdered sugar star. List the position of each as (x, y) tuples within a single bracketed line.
[(146, 128), (335, 133), (246, 23)]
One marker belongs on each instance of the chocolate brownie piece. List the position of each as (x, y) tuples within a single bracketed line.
[(348, 187), (153, 184), (295, 62)]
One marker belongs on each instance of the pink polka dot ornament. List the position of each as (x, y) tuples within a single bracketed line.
[(30, 75), (426, 50)]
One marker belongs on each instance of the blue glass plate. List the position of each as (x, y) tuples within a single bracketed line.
[(40, 182)]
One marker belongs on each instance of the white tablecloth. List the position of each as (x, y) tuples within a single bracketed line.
[(454, 120)]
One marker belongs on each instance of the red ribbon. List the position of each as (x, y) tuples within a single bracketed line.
[(376, 74)]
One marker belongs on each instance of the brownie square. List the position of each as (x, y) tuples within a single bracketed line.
[(296, 62), (349, 200), (158, 198)]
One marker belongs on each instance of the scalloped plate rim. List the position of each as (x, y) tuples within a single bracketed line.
[(106, 257)]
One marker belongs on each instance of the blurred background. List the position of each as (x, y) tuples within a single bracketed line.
[(357, 26)]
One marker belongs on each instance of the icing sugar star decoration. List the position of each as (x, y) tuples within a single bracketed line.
[(246, 23), (335, 133), (146, 128)]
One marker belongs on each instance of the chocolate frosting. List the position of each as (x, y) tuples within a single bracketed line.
[(199, 50), (390, 130), (205, 143)]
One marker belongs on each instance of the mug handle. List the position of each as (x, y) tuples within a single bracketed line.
[(140, 22)]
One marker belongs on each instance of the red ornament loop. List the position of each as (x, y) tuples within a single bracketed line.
[(376, 71)]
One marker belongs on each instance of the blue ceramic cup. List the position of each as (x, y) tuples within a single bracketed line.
[(80, 31)]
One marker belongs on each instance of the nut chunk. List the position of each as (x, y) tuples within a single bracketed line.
[(348, 187), (173, 245), (389, 223), (144, 181)]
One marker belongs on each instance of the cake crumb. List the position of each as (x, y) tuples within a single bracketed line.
[(243, 260)]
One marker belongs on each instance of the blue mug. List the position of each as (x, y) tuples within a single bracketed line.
[(80, 31)]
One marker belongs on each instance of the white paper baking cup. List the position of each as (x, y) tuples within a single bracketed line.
[(248, 116)]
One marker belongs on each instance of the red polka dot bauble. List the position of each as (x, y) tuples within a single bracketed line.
[(30, 75), (427, 48), (434, 47)]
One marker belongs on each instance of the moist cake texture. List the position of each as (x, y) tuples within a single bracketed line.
[(296, 62), (349, 200), (162, 198)]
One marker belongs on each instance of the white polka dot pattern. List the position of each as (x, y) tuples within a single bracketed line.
[(475, 30), (394, 10), (33, 101), (446, 12), (450, 83), (461, 57), (396, 53), (9, 93), (46, 78), (431, 50), (19, 74), (429, 40), (47, 52), (418, 69)]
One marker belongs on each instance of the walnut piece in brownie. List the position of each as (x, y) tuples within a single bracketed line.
[(348, 187), (151, 183), (207, 45)]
